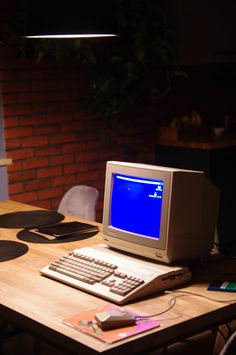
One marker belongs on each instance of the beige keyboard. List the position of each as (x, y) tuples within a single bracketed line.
[(112, 275)]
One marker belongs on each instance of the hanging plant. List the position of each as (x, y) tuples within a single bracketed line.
[(138, 64)]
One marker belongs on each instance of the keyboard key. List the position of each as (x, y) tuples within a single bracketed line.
[(91, 270), (72, 274), (120, 274)]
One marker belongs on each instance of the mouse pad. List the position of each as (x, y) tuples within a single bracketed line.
[(86, 323), (29, 219)]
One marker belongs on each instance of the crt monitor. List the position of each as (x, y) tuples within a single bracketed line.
[(161, 213)]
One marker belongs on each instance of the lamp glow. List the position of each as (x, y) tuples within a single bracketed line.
[(64, 36), (75, 19)]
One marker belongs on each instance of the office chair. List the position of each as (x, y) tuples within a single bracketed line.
[(230, 346), (80, 201)]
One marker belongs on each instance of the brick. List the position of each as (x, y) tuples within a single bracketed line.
[(50, 193), (10, 121), (46, 130), (61, 95), (82, 167), (17, 110), (100, 166), (111, 154), (87, 156), (61, 138), (45, 85), (73, 126), (70, 169), (44, 107), (22, 176), (61, 160), (25, 197), (47, 204), (86, 115), (48, 172), (93, 145), (15, 188), (55, 203), (87, 136), (100, 175), (18, 132), (98, 124), (35, 141), (48, 151), (20, 154), (65, 180), (89, 176), (34, 120), (32, 74), (7, 75), (13, 144), (10, 63), (30, 97), (15, 166), (9, 99), (35, 163), (125, 140), (14, 87), (73, 147), (37, 185), (69, 106), (59, 117)]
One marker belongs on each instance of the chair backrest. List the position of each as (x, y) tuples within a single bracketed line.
[(80, 201), (230, 346)]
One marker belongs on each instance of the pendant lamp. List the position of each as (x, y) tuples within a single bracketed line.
[(71, 19)]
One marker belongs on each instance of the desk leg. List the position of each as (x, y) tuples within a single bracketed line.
[(3, 327), (37, 345)]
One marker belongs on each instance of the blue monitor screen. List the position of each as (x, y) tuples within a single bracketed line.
[(136, 205)]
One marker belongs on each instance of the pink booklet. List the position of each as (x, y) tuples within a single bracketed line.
[(85, 322)]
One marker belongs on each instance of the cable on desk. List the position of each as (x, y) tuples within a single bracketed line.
[(199, 295), (172, 302)]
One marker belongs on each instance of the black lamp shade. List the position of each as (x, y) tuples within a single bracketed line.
[(71, 18)]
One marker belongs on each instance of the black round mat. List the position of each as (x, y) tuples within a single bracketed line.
[(29, 219), (11, 250)]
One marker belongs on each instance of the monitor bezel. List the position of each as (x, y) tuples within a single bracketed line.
[(138, 171)]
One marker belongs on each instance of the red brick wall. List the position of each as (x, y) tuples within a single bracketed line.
[(53, 141)]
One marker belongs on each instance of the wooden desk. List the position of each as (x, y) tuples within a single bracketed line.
[(37, 304)]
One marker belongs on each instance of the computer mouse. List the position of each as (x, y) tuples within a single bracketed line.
[(114, 319)]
